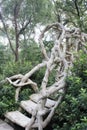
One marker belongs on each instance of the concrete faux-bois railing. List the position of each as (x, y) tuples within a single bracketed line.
[(66, 43)]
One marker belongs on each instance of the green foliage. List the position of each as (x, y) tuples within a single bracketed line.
[(72, 12), (72, 114), (44, 11), (7, 101), (7, 92), (30, 56), (2, 56), (19, 19), (12, 68), (30, 52)]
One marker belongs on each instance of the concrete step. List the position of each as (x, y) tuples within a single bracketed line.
[(17, 118), (49, 103), (5, 126), (31, 106), (28, 106)]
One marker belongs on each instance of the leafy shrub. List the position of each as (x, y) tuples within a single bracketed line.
[(12, 68), (31, 52), (7, 101), (7, 92), (72, 113)]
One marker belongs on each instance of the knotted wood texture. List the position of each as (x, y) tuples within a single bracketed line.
[(66, 42)]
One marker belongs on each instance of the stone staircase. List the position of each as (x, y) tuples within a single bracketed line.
[(29, 106)]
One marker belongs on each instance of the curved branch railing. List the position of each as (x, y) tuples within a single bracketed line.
[(67, 42)]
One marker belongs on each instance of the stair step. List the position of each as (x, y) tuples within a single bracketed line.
[(49, 103), (18, 118), (5, 126), (30, 107)]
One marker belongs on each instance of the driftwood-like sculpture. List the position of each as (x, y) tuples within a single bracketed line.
[(66, 42)]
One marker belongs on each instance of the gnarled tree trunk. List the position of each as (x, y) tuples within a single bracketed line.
[(66, 42)]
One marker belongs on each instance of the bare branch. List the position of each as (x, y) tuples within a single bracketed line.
[(5, 28), (77, 8), (24, 27), (36, 68)]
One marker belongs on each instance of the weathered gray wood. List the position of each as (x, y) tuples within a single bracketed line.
[(28, 105), (49, 103), (1, 121), (31, 106), (35, 97), (5, 126), (18, 118)]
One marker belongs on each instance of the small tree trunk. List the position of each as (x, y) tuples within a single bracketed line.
[(16, 40), (16, 51)]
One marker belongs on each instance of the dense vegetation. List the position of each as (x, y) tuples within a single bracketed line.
[(7, 92), (72, 114)]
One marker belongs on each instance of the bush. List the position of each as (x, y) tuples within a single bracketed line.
[(7, 101), (30, 56), (12, 68), (7, 92), (72, 113)]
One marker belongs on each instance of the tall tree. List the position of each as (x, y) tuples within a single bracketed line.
[(72, 12), (19, 17)]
